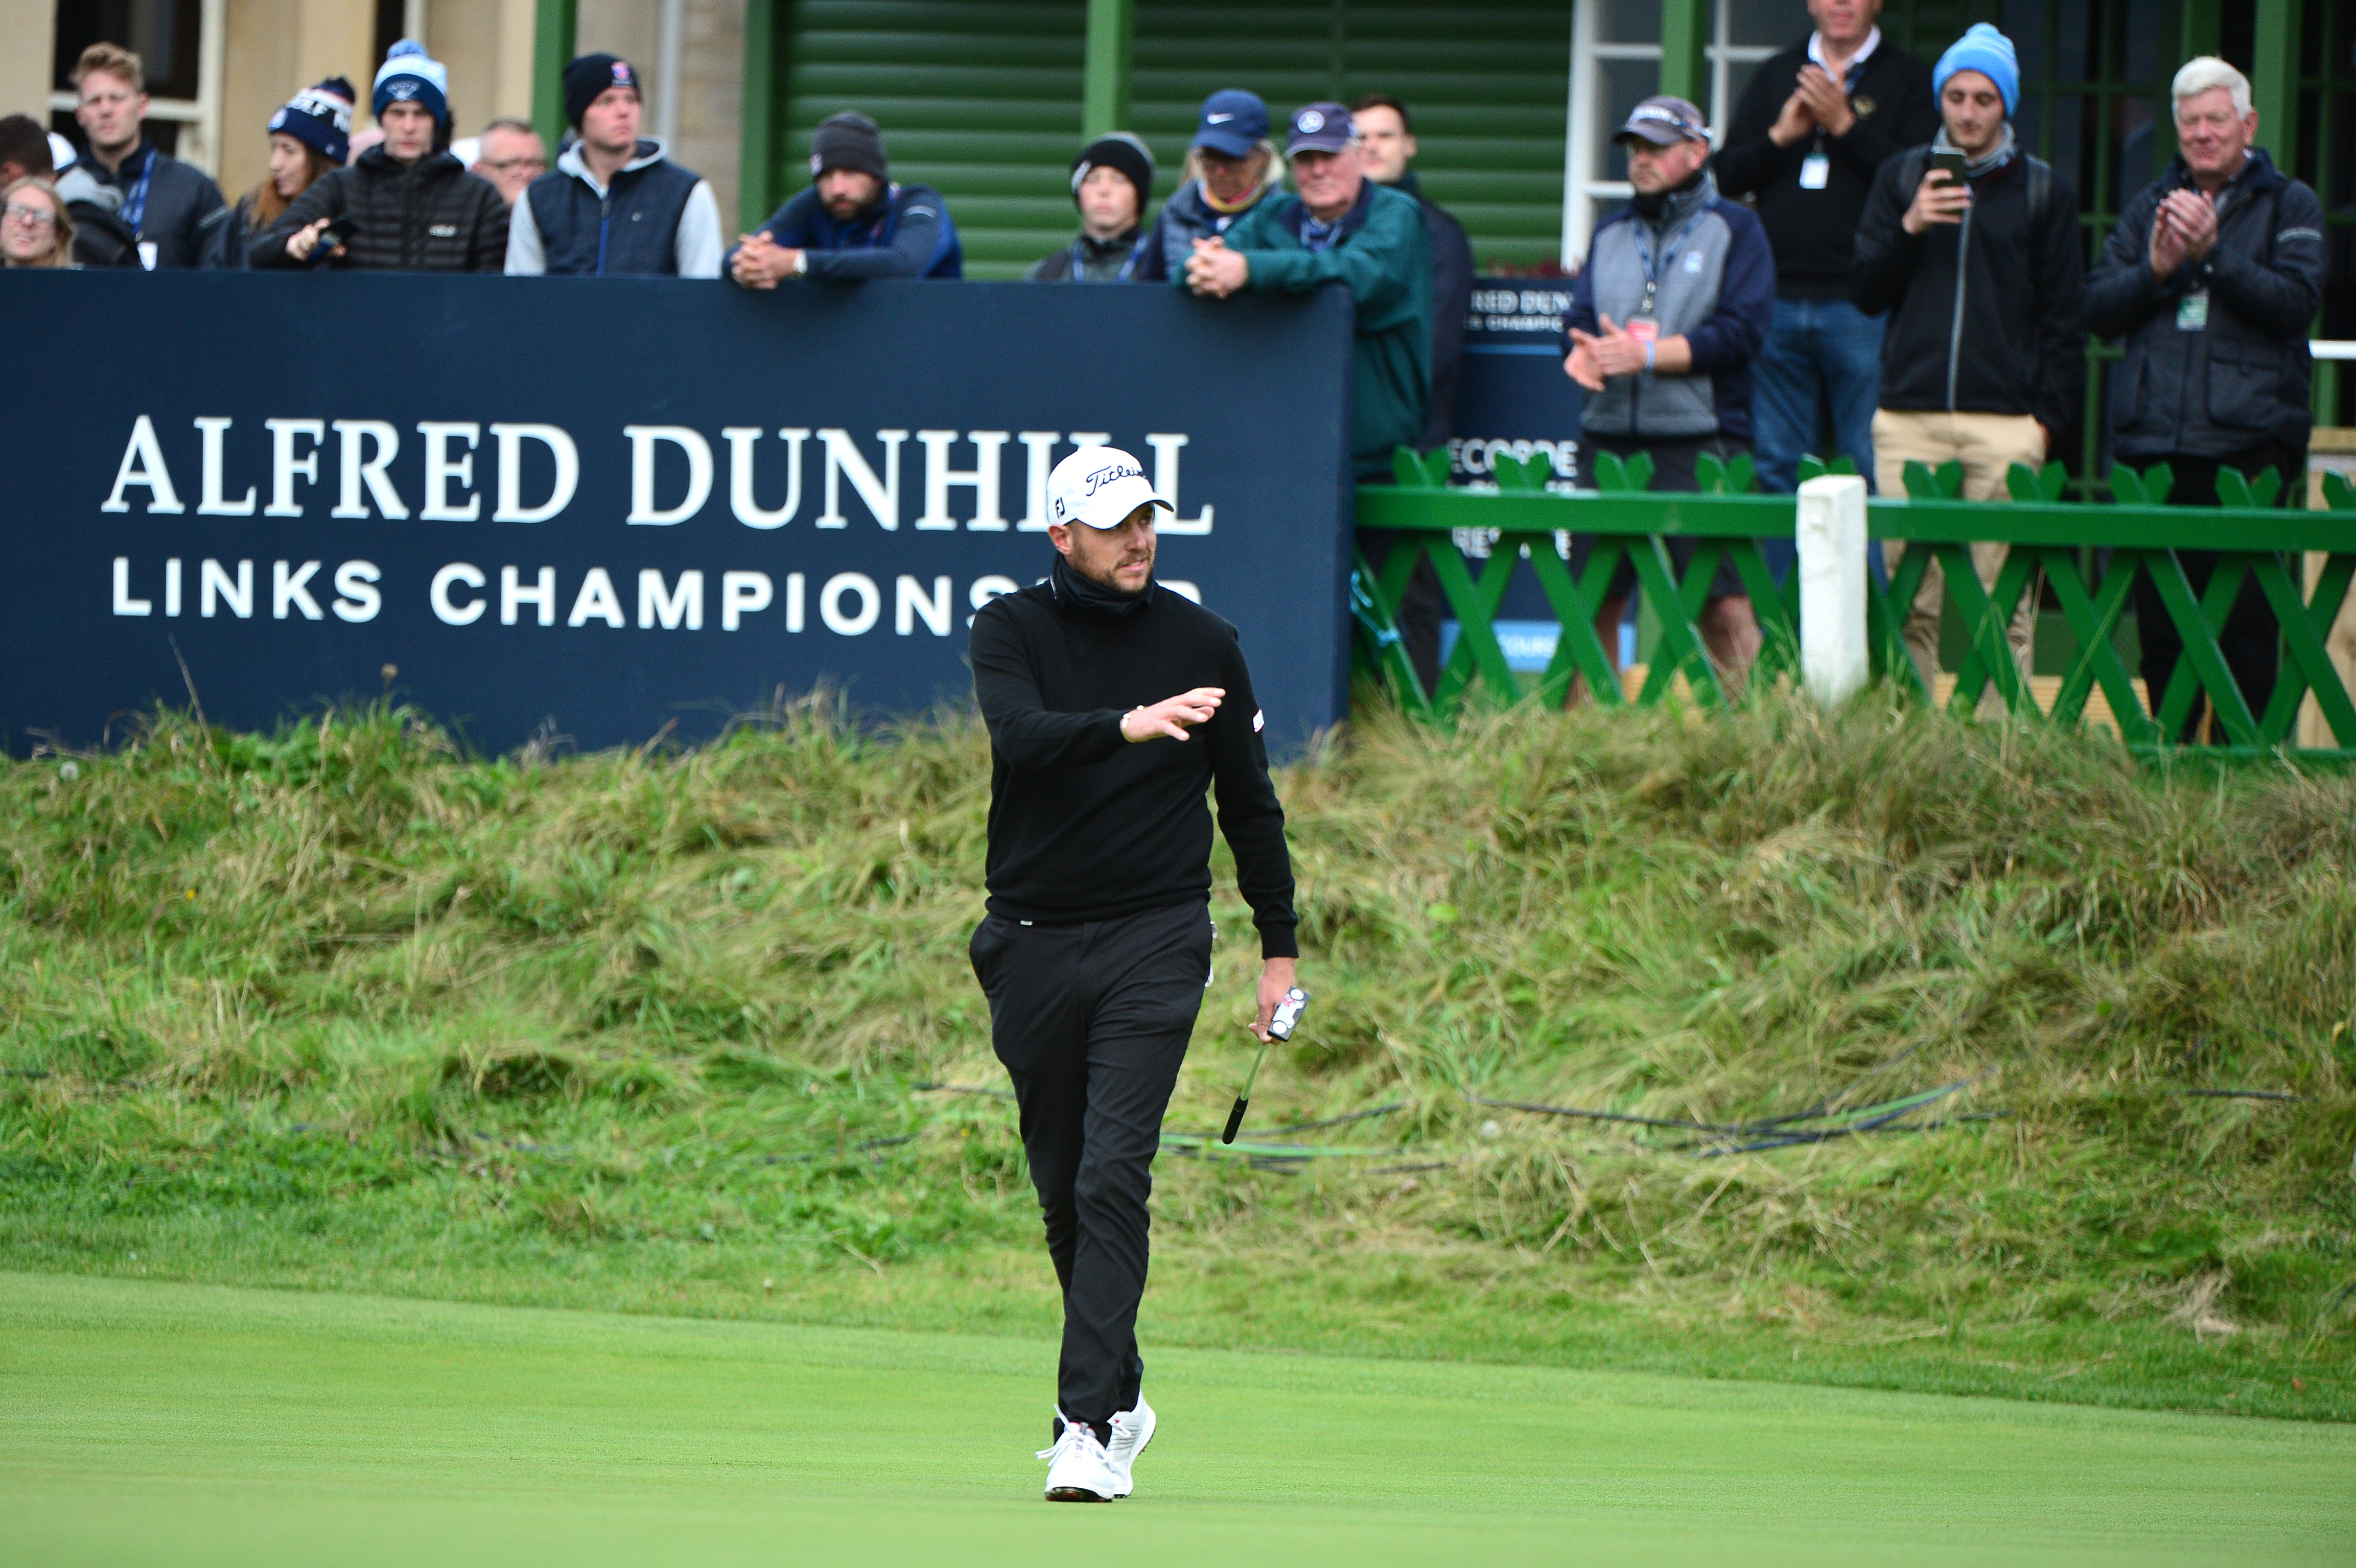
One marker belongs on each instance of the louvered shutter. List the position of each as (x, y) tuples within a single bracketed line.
[(1486, 84), (983, 99), (980, 100)]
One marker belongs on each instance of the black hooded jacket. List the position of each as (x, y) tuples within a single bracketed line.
[(1983, 314), (431, 216), (2241, 377)]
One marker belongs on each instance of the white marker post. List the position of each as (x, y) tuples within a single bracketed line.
[(1832, 546)]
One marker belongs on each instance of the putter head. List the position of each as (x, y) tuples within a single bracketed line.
[(1288, 1013)]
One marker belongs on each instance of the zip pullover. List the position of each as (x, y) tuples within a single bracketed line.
[(1084, 825), (1983, 314)]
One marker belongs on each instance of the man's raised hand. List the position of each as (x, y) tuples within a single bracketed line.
[(1173, 716)]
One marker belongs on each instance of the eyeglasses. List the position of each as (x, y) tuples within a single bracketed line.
[(508, 165), (38, 217)]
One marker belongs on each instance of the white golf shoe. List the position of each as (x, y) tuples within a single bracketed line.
[(1078, 1470), (1131, 1431)]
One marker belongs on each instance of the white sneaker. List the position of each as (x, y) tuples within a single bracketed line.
[(1078, 1471), (1131, 1431)]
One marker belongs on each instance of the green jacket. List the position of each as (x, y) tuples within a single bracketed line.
[(1384, 254)]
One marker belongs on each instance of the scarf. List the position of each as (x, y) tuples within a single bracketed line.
[(1976, 169), (1073, 591)]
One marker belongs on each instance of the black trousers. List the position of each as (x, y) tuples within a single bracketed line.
[(1092, 1023), (2249, 639)]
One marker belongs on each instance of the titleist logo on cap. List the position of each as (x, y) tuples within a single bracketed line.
[(1097, 478)]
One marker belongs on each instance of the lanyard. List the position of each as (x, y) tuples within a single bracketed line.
[(1652, 262), (135, 202)]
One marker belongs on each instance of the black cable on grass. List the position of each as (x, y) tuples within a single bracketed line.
[(2237, 1095), (1604, 1115), (963, 1089), (1334, 1121), (1896, 1110)]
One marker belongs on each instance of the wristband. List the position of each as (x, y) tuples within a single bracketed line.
[(801, 263), (1648, 357)]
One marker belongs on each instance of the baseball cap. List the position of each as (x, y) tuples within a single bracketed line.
[(1662, 120), (1319, 128), (1233, 122), (1098, 485)]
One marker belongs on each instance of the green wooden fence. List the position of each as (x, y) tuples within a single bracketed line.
[(1628, 521)]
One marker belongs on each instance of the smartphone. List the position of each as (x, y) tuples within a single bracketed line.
[(340, 231), (1950, 165)]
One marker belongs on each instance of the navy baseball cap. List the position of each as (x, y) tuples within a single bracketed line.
[(1234, 122), (1662, 120), (1319, 128)]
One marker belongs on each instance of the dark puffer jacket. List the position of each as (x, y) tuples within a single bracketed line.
[(2242, 377), (431, 216)]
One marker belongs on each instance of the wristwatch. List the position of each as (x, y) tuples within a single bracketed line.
[(801, 263)]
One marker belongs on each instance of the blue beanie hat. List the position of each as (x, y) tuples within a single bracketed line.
[(1984, 49), (410, 75), (320, 117)]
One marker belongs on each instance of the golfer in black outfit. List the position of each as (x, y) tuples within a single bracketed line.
[(1096, 948)]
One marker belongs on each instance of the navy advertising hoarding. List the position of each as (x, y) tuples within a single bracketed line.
[(1512, 399), (599, 507)]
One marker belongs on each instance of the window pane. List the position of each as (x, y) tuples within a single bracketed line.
[(1772, 23), (1627, 21), (1625, 84), (1738, 77)]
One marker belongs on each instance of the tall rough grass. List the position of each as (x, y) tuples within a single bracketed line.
[(690, 995)]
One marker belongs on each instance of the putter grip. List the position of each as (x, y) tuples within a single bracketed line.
[(1235, 1121)]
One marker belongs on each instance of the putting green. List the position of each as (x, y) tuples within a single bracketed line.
[(167, 1425)]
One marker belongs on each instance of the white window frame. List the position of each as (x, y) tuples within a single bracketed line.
[(1586, 144)]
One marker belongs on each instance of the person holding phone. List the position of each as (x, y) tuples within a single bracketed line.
[(406, 205), (1972, 246)]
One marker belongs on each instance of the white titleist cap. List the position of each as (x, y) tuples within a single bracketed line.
[(1098, 485)]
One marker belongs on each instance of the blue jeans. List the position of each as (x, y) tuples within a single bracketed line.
[(1818, 351)]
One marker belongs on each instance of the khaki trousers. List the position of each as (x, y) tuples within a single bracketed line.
[(1987, 445)]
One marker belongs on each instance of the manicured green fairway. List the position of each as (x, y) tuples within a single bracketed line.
[(166, 1425)]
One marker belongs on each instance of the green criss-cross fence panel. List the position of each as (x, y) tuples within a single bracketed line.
[(2047, 533)]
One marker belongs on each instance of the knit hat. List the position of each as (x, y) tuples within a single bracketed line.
[(1125, 156), (409, 75), (320, 117), (847, 141), (587, 77), (1984, 49)]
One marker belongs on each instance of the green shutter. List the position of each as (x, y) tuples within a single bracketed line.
[(1487, 85), (983, 99), (980, 100)]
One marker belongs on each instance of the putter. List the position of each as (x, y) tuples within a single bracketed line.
[(1279, 1027)]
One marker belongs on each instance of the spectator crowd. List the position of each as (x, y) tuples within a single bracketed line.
[(1870, 255)]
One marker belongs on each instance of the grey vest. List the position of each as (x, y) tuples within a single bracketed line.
[(1687, 263)]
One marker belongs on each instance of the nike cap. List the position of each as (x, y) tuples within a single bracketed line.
[(1234, 122), (1098, 485)]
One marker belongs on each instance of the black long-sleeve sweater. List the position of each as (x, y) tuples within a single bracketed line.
[(1812, 230), (1086, 825)]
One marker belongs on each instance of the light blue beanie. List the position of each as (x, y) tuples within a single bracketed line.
[(410, 74), (1988, 52)]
